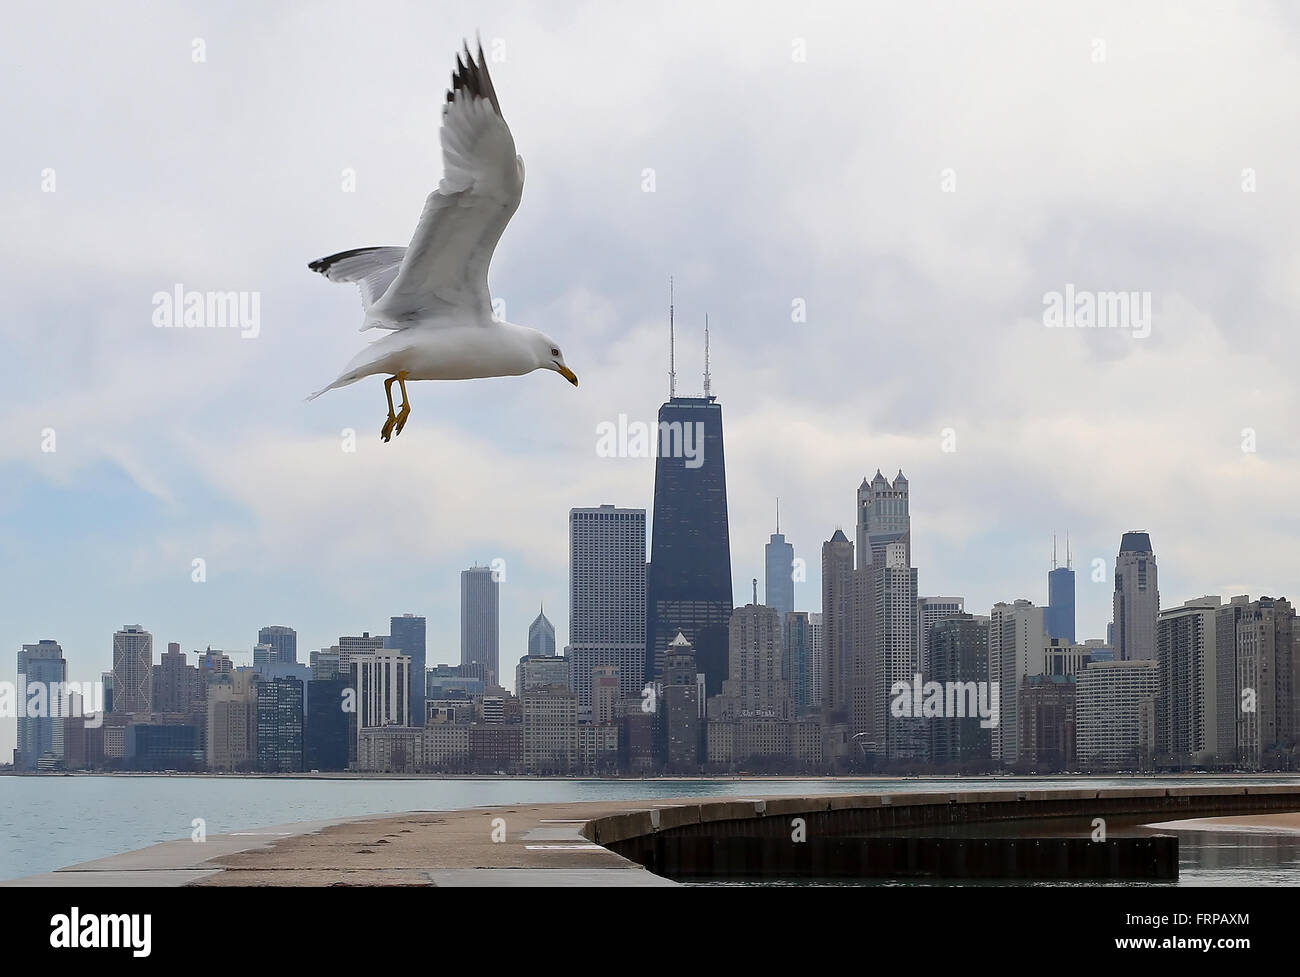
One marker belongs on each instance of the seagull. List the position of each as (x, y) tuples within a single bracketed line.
[(432, 297)]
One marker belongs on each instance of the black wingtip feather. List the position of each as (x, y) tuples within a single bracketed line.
[(323, 265), (472, 76)]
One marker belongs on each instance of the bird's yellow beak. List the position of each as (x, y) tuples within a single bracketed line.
[(567, 373)]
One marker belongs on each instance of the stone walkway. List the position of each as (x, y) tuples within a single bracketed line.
[(509, 845)]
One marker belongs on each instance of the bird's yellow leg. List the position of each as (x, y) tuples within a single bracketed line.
[(406, 404), (387, 431)]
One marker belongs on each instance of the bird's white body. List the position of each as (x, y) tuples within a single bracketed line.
[(432, 296), (439, 351)]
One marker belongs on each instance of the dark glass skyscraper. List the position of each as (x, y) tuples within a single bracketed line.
[(406, 634), (1058, 618), (280, 725), (688, 586), (326, 734)]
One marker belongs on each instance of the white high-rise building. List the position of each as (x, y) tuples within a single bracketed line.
[(1016, 644), (607, 598), (890, 650), (1137, 599), (1112, 702), (383, 686)]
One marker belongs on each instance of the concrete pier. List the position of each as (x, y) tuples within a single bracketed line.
[(1005, 834)]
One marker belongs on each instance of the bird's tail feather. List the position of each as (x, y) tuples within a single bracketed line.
[(342, 381)]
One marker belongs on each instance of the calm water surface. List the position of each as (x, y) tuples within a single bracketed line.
[(52, 822)]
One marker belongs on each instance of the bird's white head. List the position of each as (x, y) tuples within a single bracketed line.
[(550, 357)]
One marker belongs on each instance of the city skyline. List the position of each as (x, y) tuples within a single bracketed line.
[(1040, 603)]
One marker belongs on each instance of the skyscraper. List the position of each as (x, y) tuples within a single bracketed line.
[(837, 627), (1137, 599), (406, 634), (678, 718), (480, 621), (382, 680), (132, 670), (930, 610), (688, 587), (1265, 655), (607, 598), (541, 636), (283, 642), (326, 727), (232, 719), (887, 644), (959, 652), (280, 725), (1111, 700), (883, 517), (1058, 617), (778, 584), (816, 659), (753, 716), (176, 684), (353, 646), (1188, 727), (797, 660), (1016, 649), (887, 653), (42, 671)]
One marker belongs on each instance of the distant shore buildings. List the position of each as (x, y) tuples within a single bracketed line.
[(661, 673)]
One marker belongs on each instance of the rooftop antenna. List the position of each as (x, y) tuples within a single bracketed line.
[(756, 590), (672, 355), (706, 356), (778, 515), (1068, 565), (1053, 551)]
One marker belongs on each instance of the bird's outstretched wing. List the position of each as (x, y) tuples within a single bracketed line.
[(444, 271), (373, 269)]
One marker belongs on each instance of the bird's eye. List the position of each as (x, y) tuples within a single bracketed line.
[(555, 352)]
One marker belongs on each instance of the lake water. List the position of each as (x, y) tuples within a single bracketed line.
[(53, 822)]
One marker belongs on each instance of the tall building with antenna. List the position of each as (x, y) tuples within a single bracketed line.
[(1058, 616), (778, 580), (688, 581)]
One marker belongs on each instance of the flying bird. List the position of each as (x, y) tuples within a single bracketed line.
[(432, 297)]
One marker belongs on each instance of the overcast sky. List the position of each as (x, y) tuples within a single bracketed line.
[(917, 175)]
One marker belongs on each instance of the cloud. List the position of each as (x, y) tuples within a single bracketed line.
[(776, 182)]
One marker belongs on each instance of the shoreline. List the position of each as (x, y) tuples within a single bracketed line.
[(1273, 824), (1277, 777), (568, 842)]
